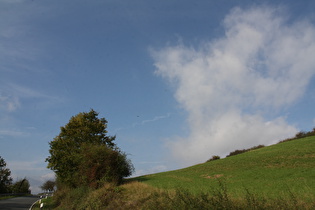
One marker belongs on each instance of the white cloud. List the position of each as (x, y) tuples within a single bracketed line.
[(49, 176), (262, 65)]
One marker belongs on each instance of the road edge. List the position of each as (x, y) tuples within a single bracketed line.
[(33, 204)]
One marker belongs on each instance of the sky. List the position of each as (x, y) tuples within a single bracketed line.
[(177, 80)]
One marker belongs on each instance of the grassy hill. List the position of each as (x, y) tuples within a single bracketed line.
[(280, 176), (270, 171)]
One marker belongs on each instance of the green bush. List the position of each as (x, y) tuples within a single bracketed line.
[(237, 152), (214, 157), (101, 164), (70, 198), (300, 135)]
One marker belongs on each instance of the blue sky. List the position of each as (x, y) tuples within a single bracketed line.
[(178, 81)]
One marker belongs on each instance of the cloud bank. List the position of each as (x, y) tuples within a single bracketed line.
[(234, 88)]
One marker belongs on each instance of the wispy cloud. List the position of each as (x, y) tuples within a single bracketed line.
[(27, 92), (21, 53), (144, 122), (18, 49), (8, 102), (35, 165), (154, 119), (233, 87), (12, 96), (12, 133)]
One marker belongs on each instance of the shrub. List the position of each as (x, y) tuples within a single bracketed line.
[(70, 198), (214, 157), (108, 196), (101, 164), (257, 147), (237, 152), (299, 135)]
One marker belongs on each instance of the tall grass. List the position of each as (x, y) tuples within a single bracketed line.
[(220, 198), (137, 195)]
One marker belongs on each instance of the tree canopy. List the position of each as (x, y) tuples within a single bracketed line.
[(83, 153), (21, 186), (5, 177), (48, 186)]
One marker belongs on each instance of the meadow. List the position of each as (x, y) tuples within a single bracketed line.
[(269, 171), (279, 176)]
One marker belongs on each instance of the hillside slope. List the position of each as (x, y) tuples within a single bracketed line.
[(280, 176), (271, 171)]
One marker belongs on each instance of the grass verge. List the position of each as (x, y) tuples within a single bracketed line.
[(47, 204), (136, 195)]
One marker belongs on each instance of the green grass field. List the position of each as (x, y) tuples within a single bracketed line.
[(275, 171), (280, 176)]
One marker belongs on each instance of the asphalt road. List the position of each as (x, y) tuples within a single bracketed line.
[(18, 203)]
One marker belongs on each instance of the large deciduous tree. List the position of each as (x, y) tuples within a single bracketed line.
[(5, 177), (83, 153)]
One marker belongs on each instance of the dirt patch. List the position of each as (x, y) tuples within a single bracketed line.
[(216, 176)]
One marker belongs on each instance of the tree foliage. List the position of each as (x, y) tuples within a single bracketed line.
[(101, 164), (214, 157), (21, 186), (48, 186), (240, 151), (5, 177), (83, 153)]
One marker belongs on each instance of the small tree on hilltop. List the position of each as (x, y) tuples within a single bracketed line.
[(48, 186), (83, 147)]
